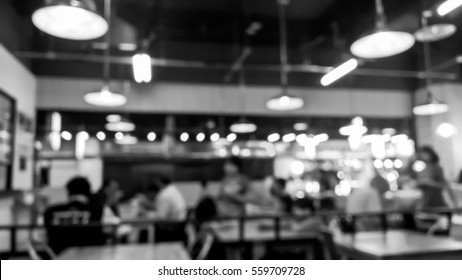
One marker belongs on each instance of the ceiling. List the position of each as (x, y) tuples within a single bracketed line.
[(213, 31)]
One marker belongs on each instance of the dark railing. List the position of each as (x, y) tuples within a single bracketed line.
[(325, 215)]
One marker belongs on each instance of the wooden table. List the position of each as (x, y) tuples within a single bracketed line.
[(257, 234), (397, 244), (161, 251)]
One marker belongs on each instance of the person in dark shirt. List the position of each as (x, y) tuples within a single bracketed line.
[(109, 195), (206, 209), (283, 199), (62, 221)]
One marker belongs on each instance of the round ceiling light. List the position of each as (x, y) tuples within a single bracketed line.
[(432, 107), (105, 98), (113, 118), (435, 32), (355, 128), (382, 43), (243, 126), (122, 126), (73, 20), (127, 140), (284, 103), (446, 130)]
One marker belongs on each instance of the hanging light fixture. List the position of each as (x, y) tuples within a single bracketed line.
[(55, 134), (142, 67), (284, 101), (121, 126), (339, 72), (70, 19), (435, 32), (355, 128), (104, 97), (243, 126), (431, 106), (448, 6), (127, 139), (382, 42)]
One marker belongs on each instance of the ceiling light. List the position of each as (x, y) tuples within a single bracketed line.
[(142, 71), (184, 137), (119, 136), (301, 126), (231, 137), (448, 6), (214, 137), (355, 128), (446, 130), (200, 137), (301, 138), (431, 107), (80, 144), (71, 19), (274, 137), (105, 98), (113, 118), (289, 137), (101, 136), (123, 126), (400, 138), (127, 140), (339, 72), (55, 140), (66, 135), (435, 32), (151, 136), (243, 126), (382, 42), (284, 101), (323, 137), (56, 122), (389, 131)]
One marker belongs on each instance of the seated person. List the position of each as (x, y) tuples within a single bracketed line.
[(163, 201), (308, 221), (80, 209), (206, 208), (283, 201)]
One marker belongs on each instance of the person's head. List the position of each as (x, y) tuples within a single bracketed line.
[(233, 165), (304, 206), (204, 184), (279, 187), (380, 184), (111, 190), (79, 186), (428, 155)]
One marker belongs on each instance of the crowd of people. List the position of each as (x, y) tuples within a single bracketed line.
[(163, 201)]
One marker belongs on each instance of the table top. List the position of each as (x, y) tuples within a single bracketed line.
[(160, 251), (398, 244), (256, 231)]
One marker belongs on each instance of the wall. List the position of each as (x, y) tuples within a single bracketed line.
[(20, 84), (449, 149), (67, 94)]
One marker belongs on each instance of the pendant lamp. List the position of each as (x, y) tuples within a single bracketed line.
[(105, 97), (243, 126), (382, 42), (434, 32), (284, 101), (431, 106), (70, 19)]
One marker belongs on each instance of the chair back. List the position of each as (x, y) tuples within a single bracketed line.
[(40, 251), (207, 242), (328, 245)]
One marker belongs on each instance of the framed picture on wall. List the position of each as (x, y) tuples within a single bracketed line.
[(7, 131)]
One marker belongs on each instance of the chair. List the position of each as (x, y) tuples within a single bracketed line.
[(40, 251), (328, 245), (201, 248), (206, 247)]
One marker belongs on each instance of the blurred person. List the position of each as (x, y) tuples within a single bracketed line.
[(109, 195), (80, 209), (430, 179), (369, 199), (307, 220), (283, 201), (164, 201), (206, 208), (235, 188)]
